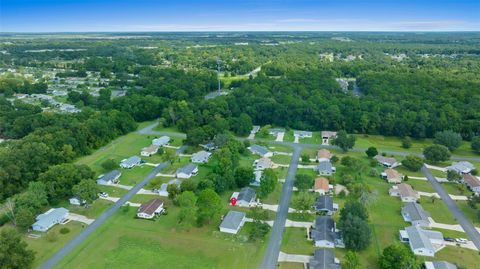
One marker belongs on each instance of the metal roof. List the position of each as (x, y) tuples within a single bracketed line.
[(232, 220)]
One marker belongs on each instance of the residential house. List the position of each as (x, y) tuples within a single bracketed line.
[(130, 162), (209, 146), (150, 209), (187, 171), (327, 135), (422, 242), (263, 163), (392, 176), (461, 167), (323, 232), (161, 141), (405, 192), (325, 168), (76, 201), (324, 259), (324, 155), (414, 213), (149, 151), (109, 178), (201, 157), (322, 186), (232, 222), (302, 134), (324, 205), (472, 182), (48, 219), (439, 265), (246, 197), (260, 150), (387, 161)]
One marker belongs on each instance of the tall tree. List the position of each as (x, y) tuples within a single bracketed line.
[(448, 138), (268, 183), (87, 190), (14, 253), (344, 141), (187, 202), (209, 206), (398, 256), (436, 153)]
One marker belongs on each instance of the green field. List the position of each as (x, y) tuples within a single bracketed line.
[(295, 242), (123, 239)]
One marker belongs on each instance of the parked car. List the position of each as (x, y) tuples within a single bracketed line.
[(461, 240), (103, 195), (449, 239)]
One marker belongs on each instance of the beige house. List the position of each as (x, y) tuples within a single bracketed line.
[(405, 192), (392, 176), (324, 155)]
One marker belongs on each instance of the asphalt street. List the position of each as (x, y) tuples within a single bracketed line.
[(452, 206), (65, 250), (273, 249)]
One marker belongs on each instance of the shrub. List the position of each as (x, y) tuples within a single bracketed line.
[(64, 230)]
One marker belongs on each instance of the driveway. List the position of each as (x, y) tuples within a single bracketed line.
[(285, 257), (67, 248), (452, 206), (270, 259), (79, 218)]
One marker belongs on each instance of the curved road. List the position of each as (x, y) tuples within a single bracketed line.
[(452, 206)]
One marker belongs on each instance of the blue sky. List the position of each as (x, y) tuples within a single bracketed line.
[(244, 15)]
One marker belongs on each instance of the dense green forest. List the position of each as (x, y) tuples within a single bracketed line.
[(409, 84)]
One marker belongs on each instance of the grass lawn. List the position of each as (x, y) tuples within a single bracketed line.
[(281, 159), (438, 210), (469, 212), (134, 175), (295, 242), (279, 148), (93, 211), (172, 129), (45, 248), (315, 139), (290, 265), (274, 197), (124, 241), (288, 137), (463, 257)]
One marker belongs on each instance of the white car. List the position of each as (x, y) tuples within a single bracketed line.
[(461, 240), (103, 195)]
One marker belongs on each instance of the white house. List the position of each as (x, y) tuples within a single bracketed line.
[(263, 163), (130, 162), (149, 151), (109, 178), (48, 219), (201, 157), (161, 141), (472, 182), (422, 242), (187, 171), (405, 192), (387, 161), (150, 209), (232, 222)]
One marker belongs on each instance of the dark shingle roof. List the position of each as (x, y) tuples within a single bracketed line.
[(324, 202), (323, 259), (324, 229), (246, 194)]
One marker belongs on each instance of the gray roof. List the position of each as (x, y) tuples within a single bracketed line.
[(325, 166), (131, 161), (232, 220), (415, 211), (324, 202), (201, 155), (461, 167), (161, 141), (259, 149), (324, 229), (443, 265), (323, 259), (420, 238), (50, 217), (110, 176), (187, 169), (246, 194)]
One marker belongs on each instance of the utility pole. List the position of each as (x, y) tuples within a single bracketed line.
[(218, 75)]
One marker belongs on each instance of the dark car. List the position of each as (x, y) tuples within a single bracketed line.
[(449, 239)]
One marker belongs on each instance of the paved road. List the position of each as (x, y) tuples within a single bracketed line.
[(452, 206), (65, 250), (270, 259), (149, 130)]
